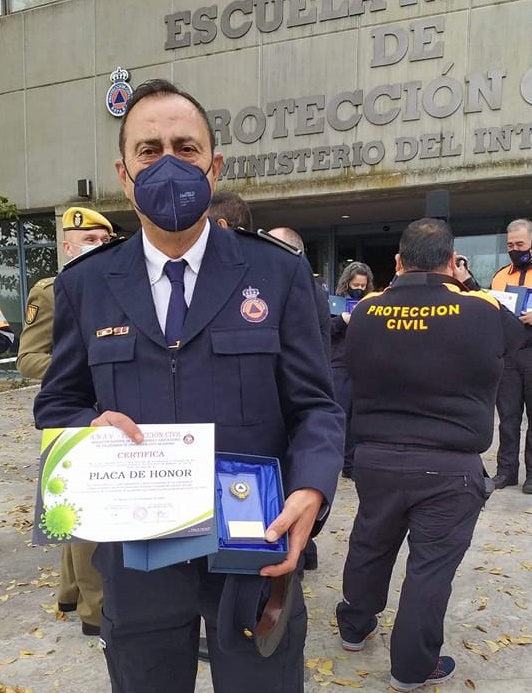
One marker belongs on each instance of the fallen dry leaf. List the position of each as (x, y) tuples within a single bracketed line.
[(492, 645), (470, 684), (347, 682), (326, 667)]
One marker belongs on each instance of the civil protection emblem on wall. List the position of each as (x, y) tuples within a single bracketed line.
[(118, 93)]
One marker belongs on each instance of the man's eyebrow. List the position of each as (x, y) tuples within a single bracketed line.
[(176, 142), (154, 142)]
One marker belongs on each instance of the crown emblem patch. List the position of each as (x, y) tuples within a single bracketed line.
[(253, 308)]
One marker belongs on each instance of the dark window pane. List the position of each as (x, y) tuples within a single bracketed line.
[(40, 263), (8, 232), (10, 288), (39, 231)]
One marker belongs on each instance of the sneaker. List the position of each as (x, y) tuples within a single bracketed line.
[(357, 646), (443, 672)]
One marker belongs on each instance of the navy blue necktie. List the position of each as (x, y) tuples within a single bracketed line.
[(177, 307)]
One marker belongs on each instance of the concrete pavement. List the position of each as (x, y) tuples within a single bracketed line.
[(488, 625)]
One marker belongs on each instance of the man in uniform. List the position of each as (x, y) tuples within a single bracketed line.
[(293, 238), (230, 211), (84, 229), (215, 326), (515, 389), (309, 557), (423, 410)]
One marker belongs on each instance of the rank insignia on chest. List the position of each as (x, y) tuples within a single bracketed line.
[(108, 331), (253, 309)]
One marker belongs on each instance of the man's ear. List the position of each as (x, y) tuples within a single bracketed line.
[(399, 269), (68, 249), (121, 172), (217, 161), (222, 222)]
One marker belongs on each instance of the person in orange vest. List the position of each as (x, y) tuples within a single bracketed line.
[(515, 388)]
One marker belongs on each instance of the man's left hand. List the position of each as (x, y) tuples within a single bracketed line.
[(297, 518), (526, 318)]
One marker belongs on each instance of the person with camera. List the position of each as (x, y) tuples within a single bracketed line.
[(423, 411)]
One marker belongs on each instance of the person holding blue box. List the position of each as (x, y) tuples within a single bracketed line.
[(515, 388), (355, 282), (208, 325)]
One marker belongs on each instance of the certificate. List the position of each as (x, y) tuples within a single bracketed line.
[(97, 484), (506, 298)]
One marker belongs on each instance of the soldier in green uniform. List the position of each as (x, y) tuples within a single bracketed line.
[(84, 229)]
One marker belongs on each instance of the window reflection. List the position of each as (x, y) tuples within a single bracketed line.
[(17, 5), (486, 254), (27, 254)]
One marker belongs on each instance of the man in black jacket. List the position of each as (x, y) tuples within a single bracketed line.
[(423, 410)]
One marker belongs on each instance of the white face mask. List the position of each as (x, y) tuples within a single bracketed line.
[(87, 248)]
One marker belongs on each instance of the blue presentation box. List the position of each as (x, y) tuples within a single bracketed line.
[(341, 304), (225, 555), (240, 555), (524, 298)]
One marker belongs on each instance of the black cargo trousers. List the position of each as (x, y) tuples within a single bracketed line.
[(434, 497)]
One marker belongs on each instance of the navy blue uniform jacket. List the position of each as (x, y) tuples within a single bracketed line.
[(266, 385)]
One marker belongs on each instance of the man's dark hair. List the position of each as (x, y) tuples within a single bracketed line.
[(160, 87), (427, 245), (231, 207)]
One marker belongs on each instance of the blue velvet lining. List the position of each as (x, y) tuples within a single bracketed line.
[(266, 474)]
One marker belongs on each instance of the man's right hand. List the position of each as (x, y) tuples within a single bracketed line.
[(121, 421)]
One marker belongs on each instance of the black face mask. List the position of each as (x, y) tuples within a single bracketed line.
[(356, 294), (520, 258)]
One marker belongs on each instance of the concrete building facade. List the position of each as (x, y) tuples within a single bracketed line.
[(335, 117)]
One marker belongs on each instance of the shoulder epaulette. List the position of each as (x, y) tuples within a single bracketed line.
[(262, 234), (44, 283), (99, 249)]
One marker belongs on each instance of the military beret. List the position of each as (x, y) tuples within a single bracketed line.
[(253, 612), (82, 219)]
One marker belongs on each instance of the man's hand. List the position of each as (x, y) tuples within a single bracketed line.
[(526, 318), (460, 270), (297, 518), (121, 421), (346, 317)]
